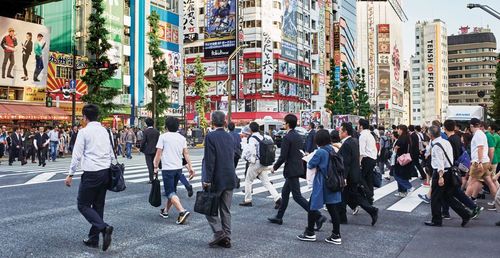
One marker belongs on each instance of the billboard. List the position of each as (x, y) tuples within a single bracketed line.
[(267, 63), (24, 53), (113, 13), (60, 72), (220, 34), (384, 81), (289, 21), (310, 116), (383, 38), (189, 22), (173, 60)]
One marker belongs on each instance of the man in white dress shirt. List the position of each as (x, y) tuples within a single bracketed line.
[(368, 156), (93, 152)]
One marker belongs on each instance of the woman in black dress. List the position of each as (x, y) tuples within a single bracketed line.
[(402, 174)]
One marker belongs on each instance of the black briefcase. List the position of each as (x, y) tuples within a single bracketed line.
[(116, 171), (155, 194), (207, 203)]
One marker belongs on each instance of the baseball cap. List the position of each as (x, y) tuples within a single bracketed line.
[(475, 122)]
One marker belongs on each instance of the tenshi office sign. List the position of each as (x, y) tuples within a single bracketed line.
[(429, 52)]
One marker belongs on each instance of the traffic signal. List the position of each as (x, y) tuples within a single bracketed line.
[(48, 101)]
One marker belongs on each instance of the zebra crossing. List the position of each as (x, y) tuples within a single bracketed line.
[(136, 172)]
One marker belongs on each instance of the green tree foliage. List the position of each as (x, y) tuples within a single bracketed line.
[(200, 90), (361, 104), (96, 76), (495, 109), (346, 92), (160, 83), (334, 100)]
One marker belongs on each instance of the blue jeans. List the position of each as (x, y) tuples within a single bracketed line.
[(403, 184), (53, 150), (128, 147)]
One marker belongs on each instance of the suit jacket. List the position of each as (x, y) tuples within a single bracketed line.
[(291, 155), (28, 48), (310, 145), (217, 169), (149, 141), (16, 140), (350, 155)]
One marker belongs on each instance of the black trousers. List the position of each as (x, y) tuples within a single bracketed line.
[(42, 155), (31, 153), (149, 163), (442, 195), (367, 166), (354, 196), (333, 209), (91, 198), (25, 61), (292, 185), (15, 152)]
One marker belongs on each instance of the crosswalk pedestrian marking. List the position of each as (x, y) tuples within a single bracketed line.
[(410, 202), (41, 178)]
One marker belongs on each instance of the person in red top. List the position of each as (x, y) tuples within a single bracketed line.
[(9, 43)]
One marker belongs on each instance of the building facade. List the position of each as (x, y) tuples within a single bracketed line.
[(344, 38), (472, 61), (429, 90), (379, 50)]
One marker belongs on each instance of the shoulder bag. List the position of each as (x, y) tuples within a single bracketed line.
[(452, 176), (116, 179), (405, 158)]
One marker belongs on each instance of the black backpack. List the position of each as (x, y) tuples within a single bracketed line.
[(267, 151), (334, 178)]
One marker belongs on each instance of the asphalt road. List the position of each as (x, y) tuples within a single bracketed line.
[(39, 218)]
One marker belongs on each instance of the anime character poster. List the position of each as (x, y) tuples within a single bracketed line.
[(220, 34)]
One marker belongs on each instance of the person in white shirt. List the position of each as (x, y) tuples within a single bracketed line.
[(94, 153), (480, 167), (54, 142), (442, 156), (368, 155), (255, 169), (170, 149)]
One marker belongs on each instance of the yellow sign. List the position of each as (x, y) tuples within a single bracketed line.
[(34, 94)]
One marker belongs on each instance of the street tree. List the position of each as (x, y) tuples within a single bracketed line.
[(200, 90), (346, 91), (334, 100), (161, 83), (495, 109), (362, 104), (99, 69)]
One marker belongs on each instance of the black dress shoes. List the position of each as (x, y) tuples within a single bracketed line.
[(465, 221), (218, 237), (106, 236), (91, 243), (375, 217), (275, 220), (246, 204), (226, 243), (432, 224)]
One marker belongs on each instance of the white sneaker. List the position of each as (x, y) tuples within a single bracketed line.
[(355, 211), (402, 195), (491, 203)]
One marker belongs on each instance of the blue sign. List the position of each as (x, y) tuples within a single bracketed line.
[(72, 84)]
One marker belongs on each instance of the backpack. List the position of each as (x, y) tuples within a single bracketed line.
[(267, 151), (334, 178)]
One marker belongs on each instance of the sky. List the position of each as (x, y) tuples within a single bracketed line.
[(453, 12)]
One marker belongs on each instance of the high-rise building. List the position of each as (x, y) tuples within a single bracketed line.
[(272, 77), (344, 37), (429, 90), (471, 66), (379, 50)]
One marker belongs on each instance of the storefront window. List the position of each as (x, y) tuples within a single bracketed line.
[(252, 65)]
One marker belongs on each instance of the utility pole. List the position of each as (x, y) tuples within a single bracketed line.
[(73, 90), (149, 74)]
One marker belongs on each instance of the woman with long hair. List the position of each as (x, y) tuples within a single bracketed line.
[(402, 173)]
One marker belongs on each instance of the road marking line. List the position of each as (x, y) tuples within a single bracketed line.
[(410, 202), (41, 178)]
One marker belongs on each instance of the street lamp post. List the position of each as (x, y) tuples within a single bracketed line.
[(485, 8), (73, 90)]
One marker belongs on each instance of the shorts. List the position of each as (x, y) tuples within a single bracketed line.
[(170, 180), (478, 173)]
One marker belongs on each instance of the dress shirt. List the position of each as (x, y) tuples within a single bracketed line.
[(53, 136), (92, 149), (439, 160), (367, 145)]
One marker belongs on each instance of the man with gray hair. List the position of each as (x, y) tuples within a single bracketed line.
[(442, 190), (219, 176)]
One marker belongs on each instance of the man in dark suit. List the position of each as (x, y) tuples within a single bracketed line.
[(237, 143), (310, 145), (148, 146), (41, 142), (294, 169), (219, 176), (354, 193), (17, 147)]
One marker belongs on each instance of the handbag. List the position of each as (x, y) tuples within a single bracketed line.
[(452, 176), (405, 159), (155, 194), (117, 181), (207, 203)]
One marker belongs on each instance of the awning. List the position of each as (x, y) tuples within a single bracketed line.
[(31, 112)]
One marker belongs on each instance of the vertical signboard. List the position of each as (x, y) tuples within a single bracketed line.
[(189, 22), (24, 53), (384, 50), (372, 90), (113, 13), (267, 63), (220, 33)]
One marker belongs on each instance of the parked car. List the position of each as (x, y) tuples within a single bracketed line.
[(278, 137)]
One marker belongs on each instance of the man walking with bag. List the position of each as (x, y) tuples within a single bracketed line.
[(148, 146), (95, 156), (219, 176)]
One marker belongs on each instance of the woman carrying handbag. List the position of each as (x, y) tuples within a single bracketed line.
[(403, 165)]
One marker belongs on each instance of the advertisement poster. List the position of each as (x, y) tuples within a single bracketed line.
[(60, 72), (113, 13), (397, 97), (289, 22), (220, 34), (174, 65), (190, 27), (310, 116), (384, 79), (28, 42), (383, 38), (267, 63)]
